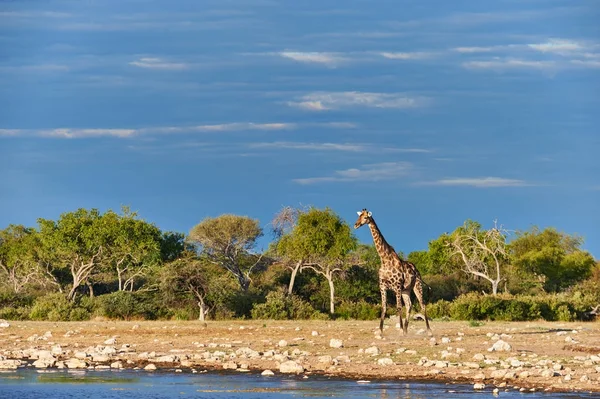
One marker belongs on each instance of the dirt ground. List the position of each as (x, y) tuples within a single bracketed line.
[(543, 355)]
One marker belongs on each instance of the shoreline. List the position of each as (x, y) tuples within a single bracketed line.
[(528, 356)]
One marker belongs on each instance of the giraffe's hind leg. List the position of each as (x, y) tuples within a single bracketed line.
[(383, 308), (408, 304), (418, 290), (399, 307)]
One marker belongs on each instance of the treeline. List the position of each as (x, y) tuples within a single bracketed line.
[(89, 264)]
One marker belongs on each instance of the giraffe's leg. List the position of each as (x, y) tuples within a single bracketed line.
[(399, 307), (408, 304), (383, 307), (418, 290)]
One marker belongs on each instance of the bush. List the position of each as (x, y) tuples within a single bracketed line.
[(361, 310), (126, 305), (439, 310), (10, 313), (279, 306), (56, 307)]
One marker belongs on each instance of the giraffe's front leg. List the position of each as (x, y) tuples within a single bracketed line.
[(399, 308), (383, 307)]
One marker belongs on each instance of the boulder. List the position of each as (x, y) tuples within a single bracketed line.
[(291, 367)]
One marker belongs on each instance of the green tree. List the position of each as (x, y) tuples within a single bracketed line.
[(320, 241), (19, 266), (228, 240), (553, 258)]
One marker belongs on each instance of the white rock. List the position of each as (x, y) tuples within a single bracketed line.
[(479, 357), (479, 385), (267, 373), (167, 359), (230, 366), (4, 323), (75, 363), (373, 351), (445, 340), (150, 367), (549, 373), (290, 367), (385, 361), (282, 343), (336, 343), (116, 365), (98, 357), (9, 364), (110, 341), (325, 359), (314, 334), (584, 378), (568, 377), (500, 346), (44, 363)]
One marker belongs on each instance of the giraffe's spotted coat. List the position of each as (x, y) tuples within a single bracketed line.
[(395, 274)]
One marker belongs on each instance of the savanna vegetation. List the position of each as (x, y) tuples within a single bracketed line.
[(89, 264)]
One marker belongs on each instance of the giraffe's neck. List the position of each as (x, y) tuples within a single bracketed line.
[(383, 248)]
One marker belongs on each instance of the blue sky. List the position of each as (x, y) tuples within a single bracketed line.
[(425, 112)]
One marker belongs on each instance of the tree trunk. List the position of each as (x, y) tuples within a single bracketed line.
[(293, 277), (331, 293), (203, 310), (90, 288), (495, 287)]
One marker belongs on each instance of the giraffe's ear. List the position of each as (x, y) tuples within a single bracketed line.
[(369, 214), (358, 213)]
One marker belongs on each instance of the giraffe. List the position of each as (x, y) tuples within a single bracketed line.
[(395, 274)]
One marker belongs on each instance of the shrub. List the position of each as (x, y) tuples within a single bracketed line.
[(11, 313), (131, 305), (361, 310), (279, 306), (439, 310), (51, 307)]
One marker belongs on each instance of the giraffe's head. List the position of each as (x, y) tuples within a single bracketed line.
[(364, 217)]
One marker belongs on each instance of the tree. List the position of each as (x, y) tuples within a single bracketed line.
[(552, 258), (320, 241), (482, 252), (73, 243), (283, 223), (19, 266), (227, 240), (132, 247)]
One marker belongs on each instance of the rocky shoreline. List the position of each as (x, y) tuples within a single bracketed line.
[(493, 357)]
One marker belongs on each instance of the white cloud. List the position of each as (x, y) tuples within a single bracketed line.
[(80, 133), (557, 46), (311, 146), (482, 182), (407, 56), (124, 133), (320, 101), (158, 63), (472, 50), (512, 63), (371, 172), (330, 59)]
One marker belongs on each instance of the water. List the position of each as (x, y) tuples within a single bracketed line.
[(31, 384)]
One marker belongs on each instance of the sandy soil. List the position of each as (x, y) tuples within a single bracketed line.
[(543, 355)]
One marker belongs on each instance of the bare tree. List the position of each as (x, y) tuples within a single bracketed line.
[(483, 252)]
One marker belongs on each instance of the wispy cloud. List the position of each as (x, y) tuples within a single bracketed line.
[(417, 55), (349, 147), (586, 63), (311, 146), (481, 182), (558, 46), (329, 59), (320, 101), (472, 50), (370, 172), (159, 63), (510, 63), (72, 133)]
